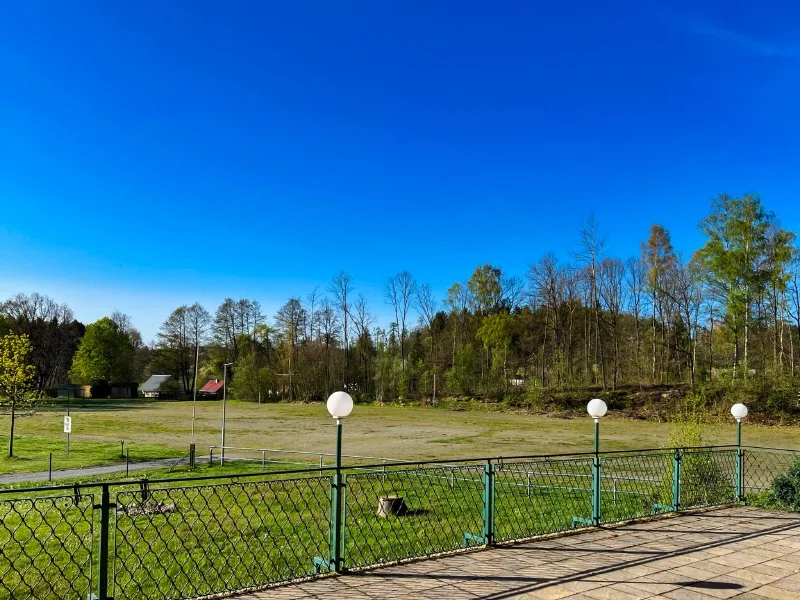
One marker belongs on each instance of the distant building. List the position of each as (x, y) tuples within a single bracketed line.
[(123, 389), (161, 386), (73, 390), (213, 389)]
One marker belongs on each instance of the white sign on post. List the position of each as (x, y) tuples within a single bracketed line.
[(67, 424)]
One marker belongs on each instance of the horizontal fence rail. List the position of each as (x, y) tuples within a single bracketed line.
[(197, 536)]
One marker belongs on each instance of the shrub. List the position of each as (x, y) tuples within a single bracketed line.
[(704, 480), (786, 487)]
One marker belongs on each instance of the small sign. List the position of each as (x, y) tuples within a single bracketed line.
[(67, 424)]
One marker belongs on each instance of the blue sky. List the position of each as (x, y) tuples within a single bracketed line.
[(154, 154)]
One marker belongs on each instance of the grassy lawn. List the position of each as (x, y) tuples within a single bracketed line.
[(31, 453), (153, 429)]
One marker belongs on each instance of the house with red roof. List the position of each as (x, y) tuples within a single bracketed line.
[(213, 389)]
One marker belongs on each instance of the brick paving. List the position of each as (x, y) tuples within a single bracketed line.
[(740, 552)]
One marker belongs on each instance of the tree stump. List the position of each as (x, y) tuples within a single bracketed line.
[(391, 505)]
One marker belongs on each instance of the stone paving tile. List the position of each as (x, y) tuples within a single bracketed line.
[(742, 553), (652, 585), (767, 591), (554, 592), (687, 594), (618, 591)]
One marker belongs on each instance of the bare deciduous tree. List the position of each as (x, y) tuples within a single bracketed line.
[(400, 293)]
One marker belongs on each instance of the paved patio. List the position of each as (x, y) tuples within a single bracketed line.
[(739, 552)]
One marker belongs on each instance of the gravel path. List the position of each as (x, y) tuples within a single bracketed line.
[(88, 471)]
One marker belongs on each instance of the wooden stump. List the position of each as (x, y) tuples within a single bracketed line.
[(391, 505)]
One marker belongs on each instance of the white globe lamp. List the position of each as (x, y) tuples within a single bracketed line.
[(739, 411), (340, 405), (597, 409)]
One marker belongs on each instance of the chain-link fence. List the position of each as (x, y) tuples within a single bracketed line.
[(199, 536)]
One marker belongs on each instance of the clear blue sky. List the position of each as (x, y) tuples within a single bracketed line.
[(158, 153)]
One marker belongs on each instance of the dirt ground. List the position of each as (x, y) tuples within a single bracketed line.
[(379, 431)]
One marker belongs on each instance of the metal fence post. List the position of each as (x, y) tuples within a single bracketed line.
[(487, 535), (335, 559), (676, 479), (740, 474), (488, 503), (596, 490), (105, 527)]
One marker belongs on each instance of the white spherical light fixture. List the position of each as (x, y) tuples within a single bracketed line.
[(596, 409), (739, 411), (340, 405)]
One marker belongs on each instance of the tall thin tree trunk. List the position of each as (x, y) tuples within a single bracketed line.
[(544, 352), (653, 374), (746, 366), (711, 347), (13, 418), (781, 353)]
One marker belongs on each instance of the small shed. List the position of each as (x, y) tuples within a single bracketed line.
[(73, 390), (213, 389), (124, 389), (159, 386)]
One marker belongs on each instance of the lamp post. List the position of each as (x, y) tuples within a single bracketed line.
[(340, 405), (739, 412), (224, 406), (597, 410)]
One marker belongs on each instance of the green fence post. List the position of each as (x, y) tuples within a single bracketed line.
[(677, 458), (105, 527), (739, 462), (338, 564), (596, 490), (487, 535), (335, 558), (488, 503)]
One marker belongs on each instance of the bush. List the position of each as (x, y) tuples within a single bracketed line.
[(704, 480), (786, 487)]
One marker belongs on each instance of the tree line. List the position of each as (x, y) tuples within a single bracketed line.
[(728, 311)]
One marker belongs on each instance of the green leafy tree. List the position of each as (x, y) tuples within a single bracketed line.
[(16, 375), (251, 380), (485, 289), (495, 333), (105, 352), (735, 260)]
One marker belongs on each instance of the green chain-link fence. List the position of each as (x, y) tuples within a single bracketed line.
[(193, 537)]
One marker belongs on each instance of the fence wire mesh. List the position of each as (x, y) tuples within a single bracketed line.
[(636, 485), (708, 478), (762, 467), (46, 547), (183, 542), (439, 505), (543, 496), (186, 539)]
